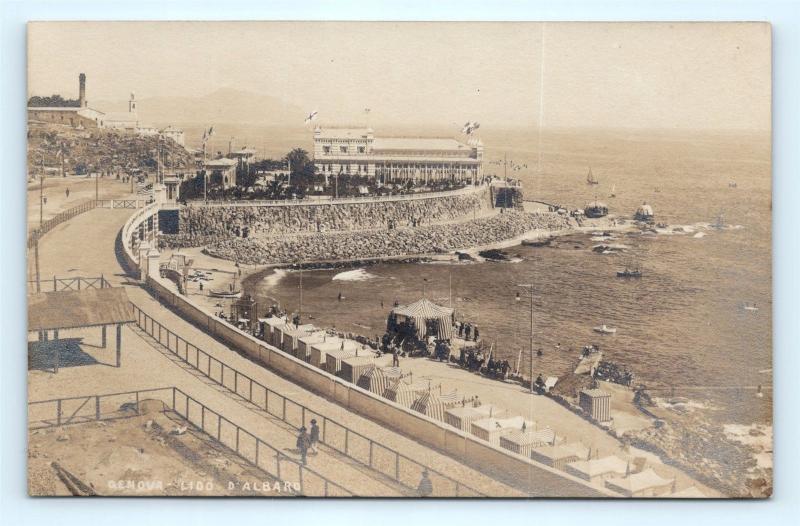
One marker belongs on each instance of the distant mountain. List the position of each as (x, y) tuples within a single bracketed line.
[(226, 105)]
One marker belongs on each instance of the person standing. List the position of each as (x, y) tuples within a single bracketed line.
[(313, 436), (302, 444), (396, 358)]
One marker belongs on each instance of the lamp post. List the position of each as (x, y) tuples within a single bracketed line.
[(529, 287)]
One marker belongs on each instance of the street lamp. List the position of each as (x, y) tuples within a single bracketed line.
[(529, 288)]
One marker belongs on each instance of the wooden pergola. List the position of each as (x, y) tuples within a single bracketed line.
[(79, 309)]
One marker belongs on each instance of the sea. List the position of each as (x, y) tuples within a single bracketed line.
[(682, 328)]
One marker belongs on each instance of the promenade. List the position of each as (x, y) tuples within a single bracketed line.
[(85, 246)]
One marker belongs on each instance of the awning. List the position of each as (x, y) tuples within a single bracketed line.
[(420, 312), (79, 308)]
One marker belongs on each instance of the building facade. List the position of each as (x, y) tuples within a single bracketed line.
[(356, 151)]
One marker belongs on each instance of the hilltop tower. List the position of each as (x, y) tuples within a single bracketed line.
[(132, 103), (82, 90)]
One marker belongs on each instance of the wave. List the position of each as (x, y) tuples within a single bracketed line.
[(358, 274), (274, 278)]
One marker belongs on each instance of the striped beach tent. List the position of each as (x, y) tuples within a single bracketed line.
[(523, 442), (377, 379), (434, 404), (404, 393), (424, 311)]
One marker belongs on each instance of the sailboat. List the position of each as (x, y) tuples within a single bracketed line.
[(719, 223), (590, 177), (613, 191)]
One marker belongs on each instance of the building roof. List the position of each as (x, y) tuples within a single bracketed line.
[(637, 482), (54, 108), (343, 133), (423, 308), (595, 393), (481, 411), (542, 436), (79, 308), (243, 152), (558, 452), (493, 424), (599, 466), (418, 143), (220, 163)]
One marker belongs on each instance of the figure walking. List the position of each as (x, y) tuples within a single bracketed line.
[(302, 444), (313, 436)]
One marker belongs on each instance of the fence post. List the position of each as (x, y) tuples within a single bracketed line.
[(346, 439), (237, 439), (97, 407), (303, 417), (284, 409), (396, 466), (300, 472), (278, 464), (257, 442), (173, 398), (58, 412), (370, 453)]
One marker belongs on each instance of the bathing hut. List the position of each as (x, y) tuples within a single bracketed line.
[(304, 344), (354, 367), (463, 417), (290, 333), (334, 358), (491, 429), (377, 379), (598, 469), (559, 456), (424, 318), (319, 351), (644, 213), (268, 333), (404, 393), (523, 442), (434, 404), (646, 483)]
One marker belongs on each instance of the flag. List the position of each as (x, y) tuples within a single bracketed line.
[(311, 116)]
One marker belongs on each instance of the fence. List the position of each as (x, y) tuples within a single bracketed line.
[(71, 283), (123, 203), (335, 435), (249, 447), (46, 226), (312, 200)]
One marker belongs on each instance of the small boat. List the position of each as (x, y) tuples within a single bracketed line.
[(629, 273), (751, 308), (732, 184), (719, 222), (605, 329), (225, 294), (613, 191), (590, 178), (595, 209)]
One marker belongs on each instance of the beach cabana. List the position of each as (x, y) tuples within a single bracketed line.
[(523, 442), (377, 379), (559, 456), (334, 358), (434, 404), (404, 393), (290, 334), (319, 351), (354, 367), (491, 429), (646, 483), (268, 333), (463, 417), (304, 343), (598, 469), (427, 318)]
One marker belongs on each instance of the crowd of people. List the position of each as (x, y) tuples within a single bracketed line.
[(424, 240), (259, 221)]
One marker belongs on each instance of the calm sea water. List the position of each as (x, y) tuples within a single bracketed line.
[(681, 326)]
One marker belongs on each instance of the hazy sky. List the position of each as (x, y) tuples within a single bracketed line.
[(701, 75)]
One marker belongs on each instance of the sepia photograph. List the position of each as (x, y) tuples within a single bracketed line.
[(460, 260)]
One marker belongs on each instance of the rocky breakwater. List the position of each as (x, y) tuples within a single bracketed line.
[(423, 240)]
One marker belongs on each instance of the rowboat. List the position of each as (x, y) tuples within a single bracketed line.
[(225, 294), (604, 329)]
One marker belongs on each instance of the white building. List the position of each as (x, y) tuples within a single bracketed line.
[(175, 134), (121, 120), (357, 151)]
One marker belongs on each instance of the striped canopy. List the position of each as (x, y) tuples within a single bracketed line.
[(404, 393), (434, 404), (424, 310), (377, 379)]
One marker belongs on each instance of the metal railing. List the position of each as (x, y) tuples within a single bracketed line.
[(46, 226), (327, 200), (335, 435), (123, 203), (246, 445), (71, 283)]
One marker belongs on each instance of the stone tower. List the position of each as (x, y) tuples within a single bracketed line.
[(132, 103), (82, 90)]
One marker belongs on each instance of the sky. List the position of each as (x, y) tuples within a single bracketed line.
[(564, 75)]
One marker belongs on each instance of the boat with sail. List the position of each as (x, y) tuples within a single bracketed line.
[(605, 329), (590, 177)]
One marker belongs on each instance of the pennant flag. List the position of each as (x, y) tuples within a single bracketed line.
[(311, 116)]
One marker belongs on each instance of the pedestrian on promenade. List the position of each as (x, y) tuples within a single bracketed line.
[(314, 436), (67, 192), (302, 444), (395, 358), (425, 488), (201, 286)]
